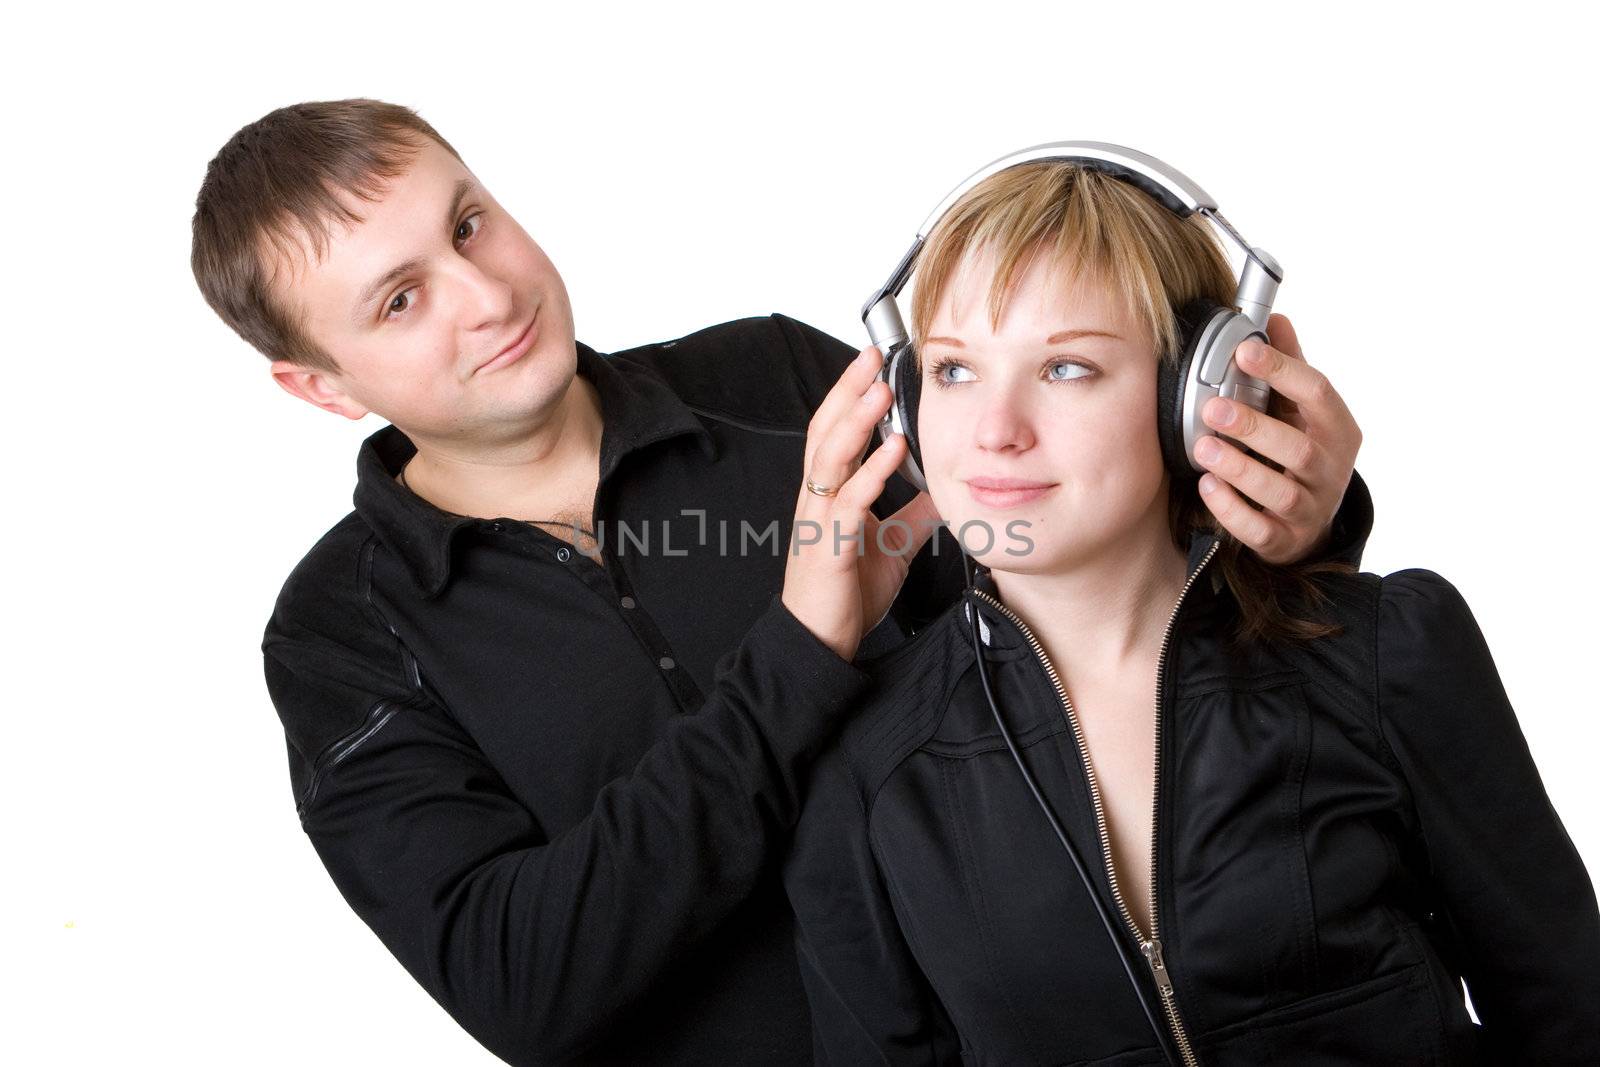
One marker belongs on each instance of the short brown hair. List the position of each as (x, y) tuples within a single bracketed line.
[(277, 182), (1084, 223)]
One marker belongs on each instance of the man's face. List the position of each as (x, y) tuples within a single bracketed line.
[(444, 316)]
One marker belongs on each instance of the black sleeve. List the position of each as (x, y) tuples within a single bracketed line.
[(533, 941), (1511, 883), (936, 576), (1352, 525), (870, 1003)]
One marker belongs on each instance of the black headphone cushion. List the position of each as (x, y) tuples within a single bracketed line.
[(908, 397), (1170, 378)]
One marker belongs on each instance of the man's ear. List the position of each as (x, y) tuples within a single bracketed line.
[(315, 387)]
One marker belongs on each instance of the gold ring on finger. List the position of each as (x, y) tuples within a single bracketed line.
[(821, 490)]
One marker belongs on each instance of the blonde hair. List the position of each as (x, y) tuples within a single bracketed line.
[(1091, 226), (1082, 222)]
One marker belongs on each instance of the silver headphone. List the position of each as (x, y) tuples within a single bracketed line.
[(1205, 367)]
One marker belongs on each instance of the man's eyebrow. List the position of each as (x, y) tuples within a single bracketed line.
[(371, 292)]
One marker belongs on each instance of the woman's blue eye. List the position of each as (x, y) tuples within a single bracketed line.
[(1070, 371), (944, 373)]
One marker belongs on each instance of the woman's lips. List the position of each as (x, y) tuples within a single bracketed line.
[(518, 348), (1002, 493)]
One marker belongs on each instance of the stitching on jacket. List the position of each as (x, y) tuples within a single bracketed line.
[(1376, 712), (1304, 738), (365, 729), (1377, 676), (897, 906), (1222, 683), (883, 750), (988, 743), (408, 662), (974, 892)]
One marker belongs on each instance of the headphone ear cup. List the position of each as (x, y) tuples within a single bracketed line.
[(907, 382), (1170, 378)]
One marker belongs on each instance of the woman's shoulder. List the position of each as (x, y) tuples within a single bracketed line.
[(1396, 639), (1420, 597), (908, 690), (1381, 627), (1384, 608)]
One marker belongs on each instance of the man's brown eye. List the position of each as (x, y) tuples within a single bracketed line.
[(470, 224)]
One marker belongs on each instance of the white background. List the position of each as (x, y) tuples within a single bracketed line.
[(1426, 176)]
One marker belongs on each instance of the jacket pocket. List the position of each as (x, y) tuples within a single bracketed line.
[(1239, 920), (1390, 1019)]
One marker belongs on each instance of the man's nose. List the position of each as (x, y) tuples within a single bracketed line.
[(485, 299)]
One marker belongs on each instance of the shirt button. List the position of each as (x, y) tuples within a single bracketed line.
[(496, 526), (666, 663), (628, 602), (563, 554)]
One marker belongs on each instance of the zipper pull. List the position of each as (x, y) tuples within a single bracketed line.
[(1158, 967)]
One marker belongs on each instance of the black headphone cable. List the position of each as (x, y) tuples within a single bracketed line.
[(1163, 1037)]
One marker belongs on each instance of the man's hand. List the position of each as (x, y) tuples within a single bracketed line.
[(842, 574), (1313, 437)]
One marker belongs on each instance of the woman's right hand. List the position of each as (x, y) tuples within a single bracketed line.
[(842, 575)]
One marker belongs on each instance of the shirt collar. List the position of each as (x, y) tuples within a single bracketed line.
[(636, 409)]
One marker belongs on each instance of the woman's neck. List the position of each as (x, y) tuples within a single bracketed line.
[(1107, 614)]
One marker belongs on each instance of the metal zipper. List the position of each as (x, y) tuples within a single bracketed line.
[(1150, 946)]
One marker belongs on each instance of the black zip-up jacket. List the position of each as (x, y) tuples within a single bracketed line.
[(1343, 832)]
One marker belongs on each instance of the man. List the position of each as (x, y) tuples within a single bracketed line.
[(509, 737)]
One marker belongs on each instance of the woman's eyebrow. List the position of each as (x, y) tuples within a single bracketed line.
[(1073, 335), (1056, 338)]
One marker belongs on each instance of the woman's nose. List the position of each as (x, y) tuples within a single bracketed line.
[(1004, 425)]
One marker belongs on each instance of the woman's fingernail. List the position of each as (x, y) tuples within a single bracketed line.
[(1207, 451), (1208, 484)]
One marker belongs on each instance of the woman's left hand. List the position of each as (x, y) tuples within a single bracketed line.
[(1308, 431)]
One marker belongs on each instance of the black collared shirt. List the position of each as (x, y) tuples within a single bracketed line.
[(529, 773)]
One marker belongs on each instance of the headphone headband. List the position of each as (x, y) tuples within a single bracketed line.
[(1175, 191), (1166, 184), (1207, 365)]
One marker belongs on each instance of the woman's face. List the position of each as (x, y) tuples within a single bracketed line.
[(1042, 430)]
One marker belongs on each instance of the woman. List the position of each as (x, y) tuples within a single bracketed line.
[(1302, 798)]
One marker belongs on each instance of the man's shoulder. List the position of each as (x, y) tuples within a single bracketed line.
[(764, 370), (323, 593)]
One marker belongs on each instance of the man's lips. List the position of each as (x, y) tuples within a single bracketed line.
[(1006, 492), (516, 349)]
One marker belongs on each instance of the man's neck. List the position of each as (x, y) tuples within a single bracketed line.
[(549, 473)]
